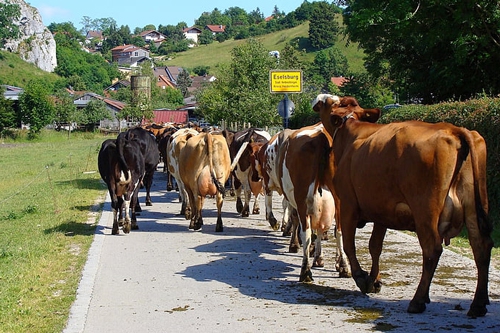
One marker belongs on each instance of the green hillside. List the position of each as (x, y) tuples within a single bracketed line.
[(217, 53), (16, 72)]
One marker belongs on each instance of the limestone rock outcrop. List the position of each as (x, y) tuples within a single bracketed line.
[(35, 44)]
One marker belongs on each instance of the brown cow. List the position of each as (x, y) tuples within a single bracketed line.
[(427, 178), (174, 146), (204, 165)]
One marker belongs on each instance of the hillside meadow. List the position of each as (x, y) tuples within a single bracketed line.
[(220, 53)]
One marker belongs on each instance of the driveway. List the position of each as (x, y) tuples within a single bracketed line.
[(166, 278)]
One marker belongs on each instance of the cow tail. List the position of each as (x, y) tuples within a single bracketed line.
[(209, 142), (120, 145), (479, 176)]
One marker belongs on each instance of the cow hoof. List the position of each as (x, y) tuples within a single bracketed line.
[(364, 283), (319, 263), (115, 231), (293, 249), (377, 286), (239, 205), (256, 211), (138, 209), (126, 228), (287, 233), (120, 222), (149, 203), (274, 223), (219, 229), (416, 307), (477, 311), (169, 188), (135, 226), (306, 276)]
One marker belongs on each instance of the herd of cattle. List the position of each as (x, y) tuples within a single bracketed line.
[(344, 172)]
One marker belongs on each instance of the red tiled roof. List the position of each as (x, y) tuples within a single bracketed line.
[(339, 81), (216, 27), (170, 116)]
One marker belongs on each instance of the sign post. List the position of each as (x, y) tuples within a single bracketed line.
[(285, 81)]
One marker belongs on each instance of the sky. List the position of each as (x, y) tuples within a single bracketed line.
[(129, 12)]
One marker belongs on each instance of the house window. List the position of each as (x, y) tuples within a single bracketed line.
[(136, 54)]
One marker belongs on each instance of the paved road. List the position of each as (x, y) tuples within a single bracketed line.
[(166, 278)]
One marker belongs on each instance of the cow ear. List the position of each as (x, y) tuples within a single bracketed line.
[(370, 115), (317, 106), (336, 121)]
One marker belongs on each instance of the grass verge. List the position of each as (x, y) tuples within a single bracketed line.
[(47, 190)]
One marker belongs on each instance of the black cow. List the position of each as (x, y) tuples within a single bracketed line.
[(122, 171), (150, 153)]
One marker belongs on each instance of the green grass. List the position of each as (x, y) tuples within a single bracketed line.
[(220, 53), (16, 72), (47, 190)]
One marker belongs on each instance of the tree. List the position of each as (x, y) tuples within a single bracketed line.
[(323, 29), (206, 37), (241, 91), (7, 112), (65, 111), (8, 29), (36, 106), (432, 50), (95, 111), (184, 81)]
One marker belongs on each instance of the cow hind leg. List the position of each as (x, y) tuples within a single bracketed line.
[(305, 270), (318, 252), (295, 229), (431, 252), (481, 244), (115, 230), (220, 200)]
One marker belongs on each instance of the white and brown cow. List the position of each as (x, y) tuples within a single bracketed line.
[(242, 170), (427, 178), (298, 162), (174, 146), (204, 167)]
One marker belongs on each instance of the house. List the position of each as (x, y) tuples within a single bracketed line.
[(117, 85), (199, 81), (192, 34), (167, 73), (129, 55), (114, 107), (10, 92), (215, 29), (339, 81), (153, 36), (94, 39)]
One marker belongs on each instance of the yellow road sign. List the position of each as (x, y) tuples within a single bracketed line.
[(285, 81)]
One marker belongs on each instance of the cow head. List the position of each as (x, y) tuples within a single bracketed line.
[(334, 111)]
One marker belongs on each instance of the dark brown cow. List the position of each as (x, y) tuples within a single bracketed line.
[(122, 171), (162, 147), (427, 178), (204, 165)]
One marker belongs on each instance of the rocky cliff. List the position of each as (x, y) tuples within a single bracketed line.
[(36, 43)]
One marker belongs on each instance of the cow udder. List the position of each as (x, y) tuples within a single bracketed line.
[(205, 183)]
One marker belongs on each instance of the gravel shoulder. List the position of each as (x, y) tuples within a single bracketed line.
[(166, 278)]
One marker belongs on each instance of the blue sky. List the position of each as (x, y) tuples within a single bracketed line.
[(133, 14)]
